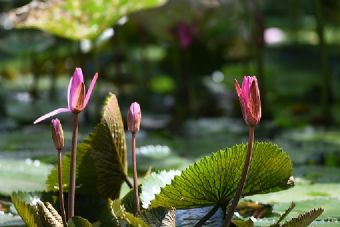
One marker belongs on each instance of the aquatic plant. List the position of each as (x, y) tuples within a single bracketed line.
[(217, 180)]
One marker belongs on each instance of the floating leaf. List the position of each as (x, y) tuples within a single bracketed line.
[(76, 19), (214, 179), (305, 219), (101, 158), (79, 222)]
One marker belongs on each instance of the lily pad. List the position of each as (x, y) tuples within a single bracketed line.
[(24, 175), (214, 179)]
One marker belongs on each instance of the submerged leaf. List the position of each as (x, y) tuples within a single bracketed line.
[(101, 157), (214, 179), (76, 19)]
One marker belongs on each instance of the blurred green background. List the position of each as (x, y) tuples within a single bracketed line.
[(178, 59)]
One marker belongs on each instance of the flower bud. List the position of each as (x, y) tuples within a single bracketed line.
[(57, 134), (134, 117), (249, 96)]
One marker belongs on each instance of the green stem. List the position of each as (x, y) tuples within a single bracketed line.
[(72, 185), (246, 166), (61, 195), (135, 177)]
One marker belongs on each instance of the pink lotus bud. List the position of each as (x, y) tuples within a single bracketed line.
[(134, 117), (77, 97), (249, 96), (57, 134)]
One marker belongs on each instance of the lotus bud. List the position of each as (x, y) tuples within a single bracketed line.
[(57, 134), (249, 96), (134, 117)]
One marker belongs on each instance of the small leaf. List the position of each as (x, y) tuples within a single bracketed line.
[(25, 204), (119, 212), (214, 179), (76, 19), (79, 222), (48, 215), (101, 157), (305, 219)]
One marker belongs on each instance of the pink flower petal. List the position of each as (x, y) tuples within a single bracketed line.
[(75, 81), (52, 113), (68, 93), (89, 92)]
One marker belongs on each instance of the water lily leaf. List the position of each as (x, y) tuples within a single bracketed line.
[(214, 179), (76, 19), (79, 222), (101, 157), (120, 213), (304, 219), (93, 208)]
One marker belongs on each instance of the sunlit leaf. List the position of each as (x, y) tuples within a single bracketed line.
[(304, 219), (34, 212), (101, 158), (76, 19), (214, 179)]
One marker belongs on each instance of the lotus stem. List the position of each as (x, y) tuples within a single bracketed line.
[(60, 182), (72, 184), (246, 166), (135, 176)]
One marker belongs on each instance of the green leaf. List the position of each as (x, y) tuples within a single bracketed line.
[(93, 208), (305, 219), (76, 19), (34, 212), (79, 222), (49, 217), (25, 204), (120, 213), (214, 179), (101, 157)]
